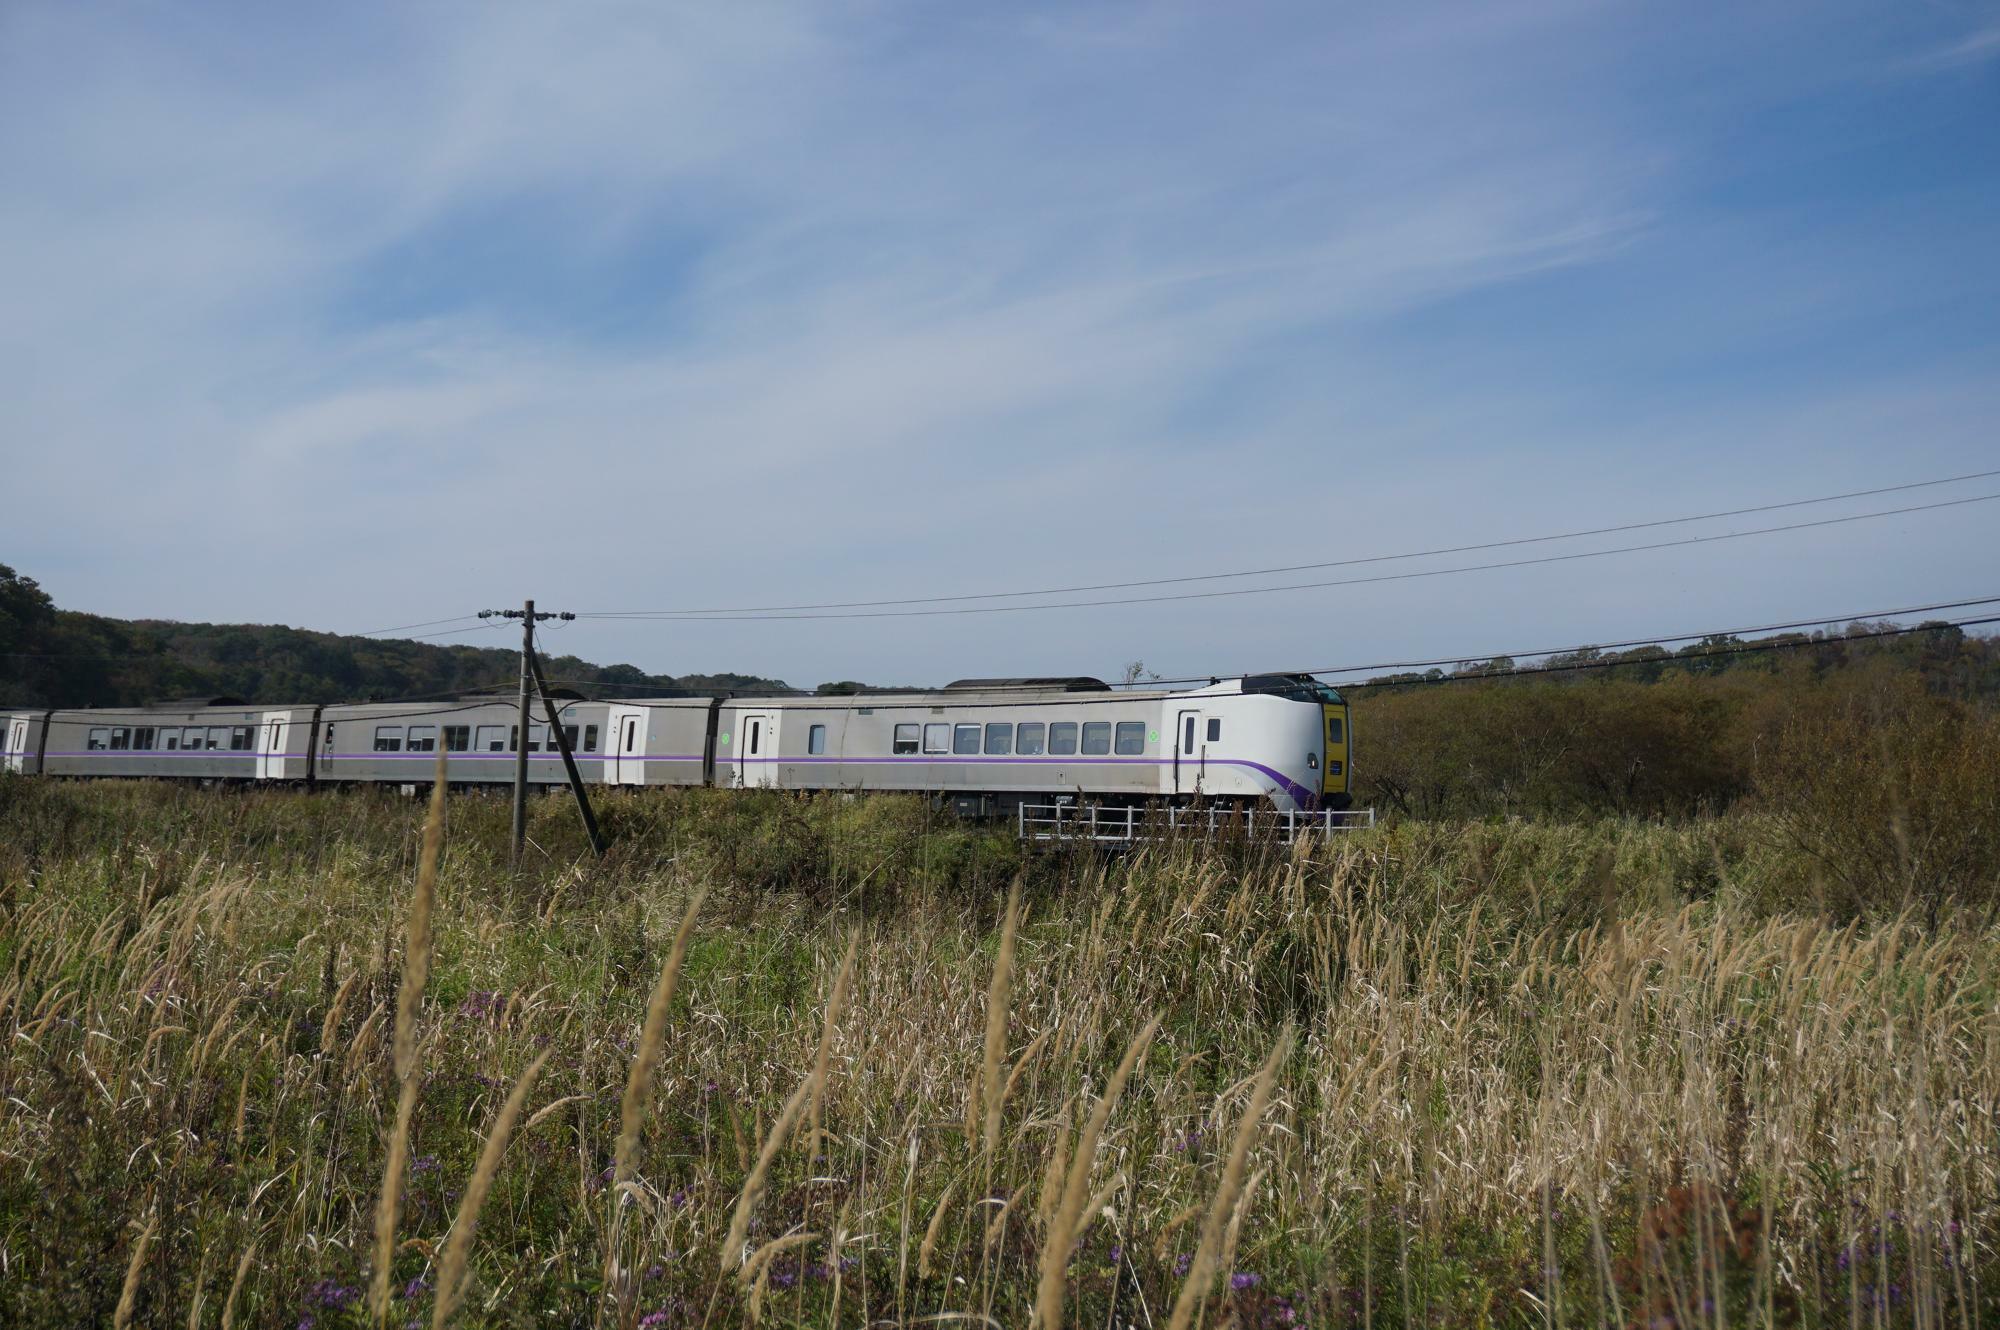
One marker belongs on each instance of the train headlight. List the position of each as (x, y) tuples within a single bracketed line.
[(1312, 761)]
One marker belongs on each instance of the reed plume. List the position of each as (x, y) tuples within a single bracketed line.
[(416, 973), (457, 1247), (1194, 1290), (1064, 1223)]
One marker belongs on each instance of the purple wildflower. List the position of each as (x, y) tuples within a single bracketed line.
[(331, 1293), (1241, 1280), (1182, 1262), (424, 1164)]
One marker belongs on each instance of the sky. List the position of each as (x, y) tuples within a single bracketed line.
[(354, 316)]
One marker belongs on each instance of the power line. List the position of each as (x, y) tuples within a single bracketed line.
[(1743, 649), (928, 698), (1871, 615), (1297, 567), (1299, 586), (397, 628)]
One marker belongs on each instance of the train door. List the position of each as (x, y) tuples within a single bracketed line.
[(17, 746), (1190, 751), (628, 765), (756, 748), (271, 765)]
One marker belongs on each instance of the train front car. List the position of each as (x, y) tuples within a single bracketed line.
[(986, 746), (1272, 740), (1312, 718)]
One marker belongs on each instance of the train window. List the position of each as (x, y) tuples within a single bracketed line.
[(1187, 736), (539, 741), (1096, 738), (1131, 736), (121, 738), (965, 739), (513, 738), (1028, 739), (171, 741), (457, 738), (1000, 740), (1334, 730), (590, 738), (242, 738), (937, 738), (492, 739), (99, 740), (194, 737), (329, 734), (423, 739), (388, 738), (218, 735), (1214, 730), (142, 738), (816, 740), (1062, 737), (906, 739)]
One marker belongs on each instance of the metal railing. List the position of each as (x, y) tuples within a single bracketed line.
[(1051, 822)]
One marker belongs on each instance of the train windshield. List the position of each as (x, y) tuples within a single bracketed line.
[(1298, 687)]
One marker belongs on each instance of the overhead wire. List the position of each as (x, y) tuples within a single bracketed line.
[(1296, 586), (929, 699), (1304, 567)]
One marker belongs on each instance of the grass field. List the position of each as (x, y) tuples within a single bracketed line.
[(1435, 1074)]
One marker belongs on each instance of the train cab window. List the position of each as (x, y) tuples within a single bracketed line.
[(1000, 740), (1062, 738), (218, 736), (142, 739), (99, 740), (590, 738), (816, 740), (388, 738), (457, 738), (965, 739), (121, 738), (1028, 739), (1096, 738), (492, 739), (1214, 731), (1334, 730), (906, 739), (1131, 737), (242, 738), (937, 738), (423, 739)]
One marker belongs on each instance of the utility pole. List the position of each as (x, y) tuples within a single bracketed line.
[(526, 614), (569, 760)]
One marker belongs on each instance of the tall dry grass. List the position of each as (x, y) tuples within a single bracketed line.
[(1526, 1081)]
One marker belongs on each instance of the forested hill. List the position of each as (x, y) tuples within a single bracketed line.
[(57, 657)]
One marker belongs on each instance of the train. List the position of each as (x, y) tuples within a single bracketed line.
[(984, 747)]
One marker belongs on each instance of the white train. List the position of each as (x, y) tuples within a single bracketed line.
[(984, 745)]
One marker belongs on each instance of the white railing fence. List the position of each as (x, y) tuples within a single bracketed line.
[(1047, 822)]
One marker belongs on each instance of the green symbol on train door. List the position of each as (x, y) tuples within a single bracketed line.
[(1152, 736), (722, 737)]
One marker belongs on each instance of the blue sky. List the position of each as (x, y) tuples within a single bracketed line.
[(309, 315)]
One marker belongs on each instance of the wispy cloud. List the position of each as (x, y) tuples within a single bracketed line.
[(790, 297)]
